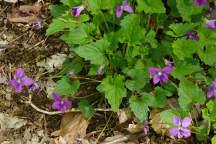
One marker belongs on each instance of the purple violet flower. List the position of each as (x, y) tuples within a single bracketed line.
[(170, 64), (211, 11), (99, 71), (145, 127), (212, 90), (160, 76), (76, 11), (200, 2), (60, 104), (191, 35), (180, 131), (38, 24), (35, 87), (211, 24), (20, 80), (125, 7)]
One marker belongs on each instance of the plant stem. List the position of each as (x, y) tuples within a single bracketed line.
[(58, 112)]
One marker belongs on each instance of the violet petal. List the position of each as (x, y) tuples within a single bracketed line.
[(127, 7), (56, 97), (211, 24), (153, 70), (186, 122), (177, 121), (56, 105), (186, 132), (167, 70), (119, 11), (174, 131), (67, 103), (200, 2), (18, 88), (156, 79), (19, 73), (27, 81), (164, 78)]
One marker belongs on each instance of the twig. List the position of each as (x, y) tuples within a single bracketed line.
[(103, 129), (58, 112), (124, 138)]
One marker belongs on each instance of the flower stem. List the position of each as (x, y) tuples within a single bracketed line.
[(58, 112)]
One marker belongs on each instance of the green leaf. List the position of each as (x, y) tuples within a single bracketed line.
[(66, 87), (187, 9), (72, 65), (57, 10), (151, 6), (139, 106), (138, 81), (79, 35), (167, 115), (180, 29), (131, 31), (208, 56), (189, 94), (94, 6), (213, 140), (86, 109), (209, 113), (160, 100), (185, 48), (95, 52), (182, 69), (114, 90), (202, 132), (71, 3), (59, 24), (150, 38), (172, 5)]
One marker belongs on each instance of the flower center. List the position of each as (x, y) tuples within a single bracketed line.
[(19, 81), (159, 73), (62, 102)]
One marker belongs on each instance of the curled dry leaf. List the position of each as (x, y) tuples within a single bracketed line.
[(55, 62), (30, 10), (124, 115), (159, 126), (73, 125), (31, 13), (8, 122), (27, 19), (11, 1)]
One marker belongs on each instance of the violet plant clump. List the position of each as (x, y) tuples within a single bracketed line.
[(178, 37)]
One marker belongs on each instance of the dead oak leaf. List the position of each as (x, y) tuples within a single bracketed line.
[(73, 125), (30, 10)]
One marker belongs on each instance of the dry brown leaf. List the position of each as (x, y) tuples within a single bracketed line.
[(27, 19), (31, 13), (73, 125), (124, 115), (30, 10), (8, 122), (159, 126)]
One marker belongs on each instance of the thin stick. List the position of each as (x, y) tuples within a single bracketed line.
[(58, 112)]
